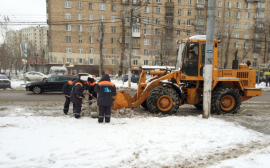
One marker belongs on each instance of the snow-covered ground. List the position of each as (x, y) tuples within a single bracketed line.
[(28, 140)]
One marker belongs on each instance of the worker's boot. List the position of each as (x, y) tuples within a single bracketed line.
[(77, 115)]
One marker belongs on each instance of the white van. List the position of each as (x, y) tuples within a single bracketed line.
[(58, 70)]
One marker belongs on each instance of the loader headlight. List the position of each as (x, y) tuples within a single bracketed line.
[(179, 68)]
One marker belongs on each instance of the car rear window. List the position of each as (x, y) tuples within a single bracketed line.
[(3, 77), (65, 78)]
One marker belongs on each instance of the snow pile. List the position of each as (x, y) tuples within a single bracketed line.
[(18, 85), (119, 84), (38, 141)]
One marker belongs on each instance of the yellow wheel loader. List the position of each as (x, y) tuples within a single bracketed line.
[(168, 89)]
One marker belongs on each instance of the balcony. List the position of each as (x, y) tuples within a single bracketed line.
[(258, 29), (252, 0), (136, 3), (135, 13), (259, 9), (169, 4), (200, 16), (200, 6), (256, 50), (199, 27), (169, 14), (259, 19), (125, 2), (135, 45)]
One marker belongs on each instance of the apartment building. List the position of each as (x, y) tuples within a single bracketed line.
[(75, 31)]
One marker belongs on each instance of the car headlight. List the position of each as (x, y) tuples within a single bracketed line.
[(29, 84)]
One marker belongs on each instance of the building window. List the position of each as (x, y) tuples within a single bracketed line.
[(157, 10), (79, 16), (228, 14), (157, 31), (245, 45), (67, 4), (236, 35), (180, 2), (113, 50), (90, 39), (91, 61), (102, 18), (113, 40), (91, 17), (80, 50), (79, 28), (68, 39), (102, 6), (179, 22), (79, 5), (135, 62), (113, 18), (229, 5), (145, 62), (69, 60), (238, 5), (91, 51), (179, 12), (236, 44), (90, 6), (246, 36), (113, 29), (68, 27), (157, 21), (189, 12), (178, 32), (146, 9), (156, 62), (158, 1), (146, 31), (189, 2), (80, 39), (219, 13), (257, 36), (135, 41), (219, 4), (157, 42), (68, 50), (103, 51), (188, 32), (145, 52), (255, 64), (246, 25), (188, 22), (237, 25), (90, 28), (67, 16), (238, 14), (247, 15), (247, 5), (113, 8), (146, 41), (146, 21), (135, 51)]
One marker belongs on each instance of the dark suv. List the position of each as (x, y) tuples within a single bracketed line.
[(134, 78), (4, 82), (54, 83)]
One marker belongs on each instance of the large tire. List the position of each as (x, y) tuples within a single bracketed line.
[(163, 99), (225, 100), (37, 90), (144, 105)]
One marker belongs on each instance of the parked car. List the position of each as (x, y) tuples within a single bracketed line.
[(4, 82), (134, 78), (84, 76), (33, 76), (58, 70), (53, 83)]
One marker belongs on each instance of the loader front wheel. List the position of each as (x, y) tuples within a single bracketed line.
[(163, 99), (225, 100)]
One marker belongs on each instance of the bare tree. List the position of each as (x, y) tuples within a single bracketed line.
[(123, 47), (101, 31)]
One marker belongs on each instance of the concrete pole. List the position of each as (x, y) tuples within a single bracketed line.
[(130, 35), (210, 31)]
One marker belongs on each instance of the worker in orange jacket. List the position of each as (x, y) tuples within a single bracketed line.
[(66, 91), (90, 84)]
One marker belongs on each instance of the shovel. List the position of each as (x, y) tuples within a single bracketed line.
[(93, 114)]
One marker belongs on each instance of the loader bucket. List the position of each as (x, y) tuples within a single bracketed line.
[(121, 100)]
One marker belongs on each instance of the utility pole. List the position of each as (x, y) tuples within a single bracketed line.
[(152, 32), (130, 35), (43, 54), (25, 55), (123, 47), (222, 35), (100, 50), (210, 34)]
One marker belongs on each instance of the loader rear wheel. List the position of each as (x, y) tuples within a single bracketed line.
[(225, 100), (144, 105), (163, 99)]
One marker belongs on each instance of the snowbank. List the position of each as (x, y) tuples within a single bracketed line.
[(38, 141)]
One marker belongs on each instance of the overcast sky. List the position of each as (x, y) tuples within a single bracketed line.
[(23, 11)]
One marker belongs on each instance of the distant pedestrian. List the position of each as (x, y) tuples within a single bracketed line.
[(66, 91), (105, 90), (90, 84), (76, 98)]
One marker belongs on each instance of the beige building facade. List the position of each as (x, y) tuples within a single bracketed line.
[(74, 31)]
